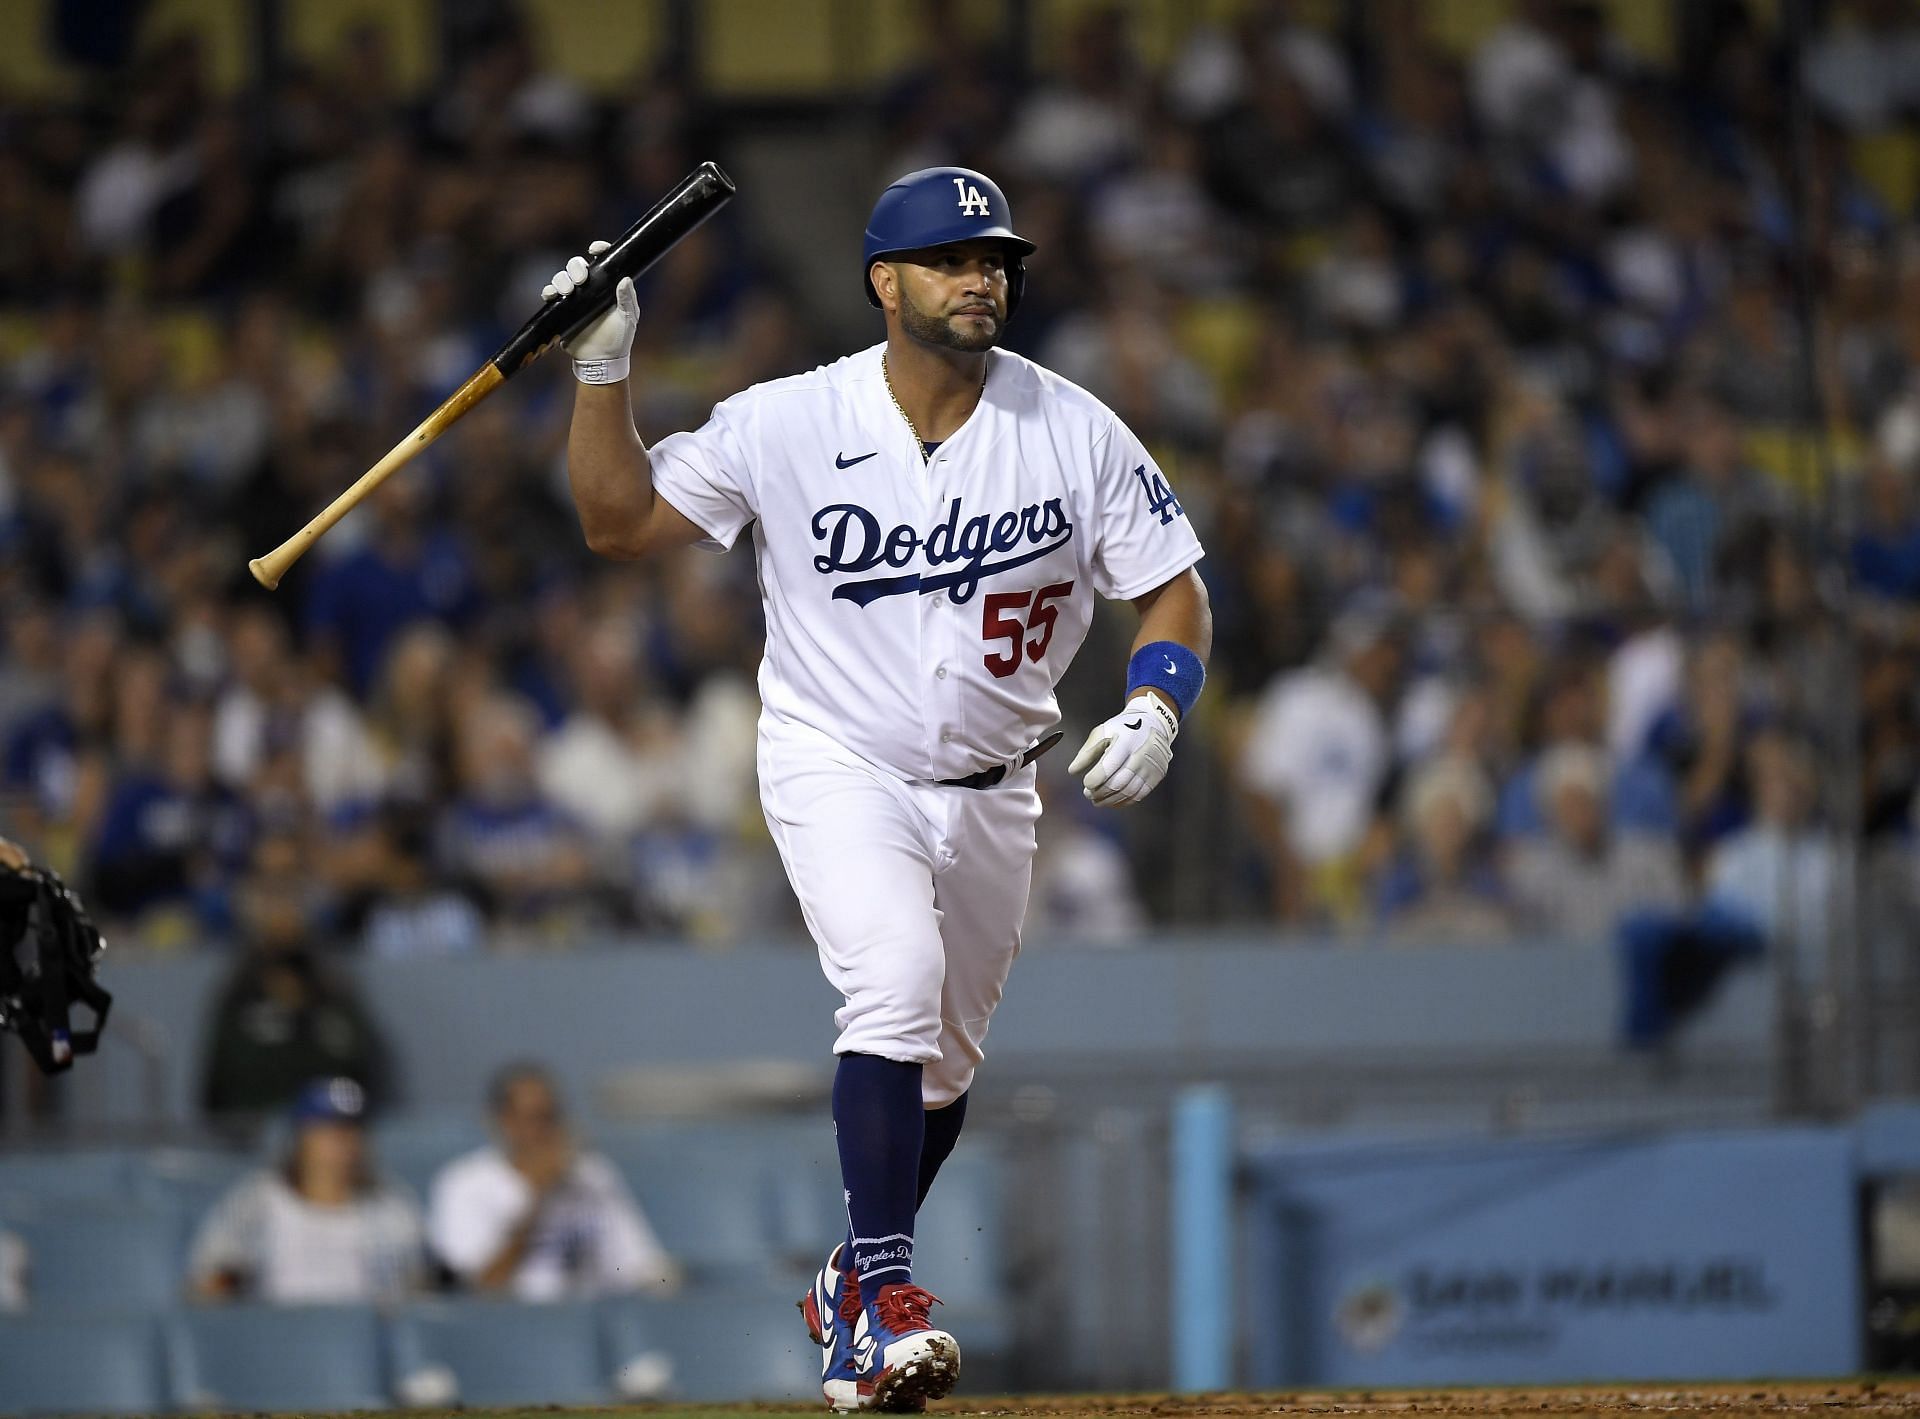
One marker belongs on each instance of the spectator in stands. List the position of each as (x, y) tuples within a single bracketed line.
[(409, 913), (526, 858), (1751, 352), (1537, 85), (409, 569), (1083, 889), (321, 1227), (284, 1015), (1701, 740), (1083, 123), (1316, 759), (1889, 740), (1700, 512), (1123, 352), (1578, 878), (1442, 887), (1158, 219), (411, 714), (1509, 331), (1865, 70), (1521, 69), (617, 763), (537, 1216), (55, 749), (1273, 159), (1780, 873), (30, 672), (1557, 706), (170, 835), (269, 704), (1413, 136), (1886, 544)]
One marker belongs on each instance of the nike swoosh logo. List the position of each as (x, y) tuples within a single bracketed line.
[(1133, 724), (1171, 670), (840, 460)]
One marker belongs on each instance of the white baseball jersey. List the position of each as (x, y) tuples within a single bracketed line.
[(292, 1251), (920, 613)]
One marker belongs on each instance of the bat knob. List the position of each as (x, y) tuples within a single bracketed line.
[(261, 573)]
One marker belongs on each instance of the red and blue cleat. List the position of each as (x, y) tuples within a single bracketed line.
[(831, 1306), (901, 1360)]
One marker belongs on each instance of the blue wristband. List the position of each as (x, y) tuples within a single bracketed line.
[(1169, 667)]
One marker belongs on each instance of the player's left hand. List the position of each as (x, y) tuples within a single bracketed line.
[(602, 345), (1126, 757)]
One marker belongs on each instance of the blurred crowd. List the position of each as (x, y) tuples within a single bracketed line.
[(1555, 573), (533, 1213)]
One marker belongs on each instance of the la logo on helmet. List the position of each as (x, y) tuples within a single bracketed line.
[(972, 204)]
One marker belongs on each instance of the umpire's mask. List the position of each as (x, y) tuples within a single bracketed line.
[(48, 948)]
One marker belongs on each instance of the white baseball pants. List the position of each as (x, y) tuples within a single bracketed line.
[(914, 893)]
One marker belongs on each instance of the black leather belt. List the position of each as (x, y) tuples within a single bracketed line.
[(987, 778)]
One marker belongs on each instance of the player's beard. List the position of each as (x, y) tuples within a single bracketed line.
[(940, 329)]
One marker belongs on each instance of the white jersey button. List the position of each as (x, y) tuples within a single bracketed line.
[(940, 673)]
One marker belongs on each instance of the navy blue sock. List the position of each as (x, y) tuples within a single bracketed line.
[(880, 1125), (943, 1131)]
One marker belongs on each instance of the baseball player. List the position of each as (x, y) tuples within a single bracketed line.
[(931, 518)]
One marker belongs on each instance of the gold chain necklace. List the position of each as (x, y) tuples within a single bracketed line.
[(918, 442)]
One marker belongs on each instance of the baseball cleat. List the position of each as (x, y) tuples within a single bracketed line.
[(830, 1308), (899, 1355)]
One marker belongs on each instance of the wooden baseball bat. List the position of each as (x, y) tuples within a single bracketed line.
[(697, 197)]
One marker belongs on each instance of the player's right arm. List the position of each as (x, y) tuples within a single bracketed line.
[(607, 466)]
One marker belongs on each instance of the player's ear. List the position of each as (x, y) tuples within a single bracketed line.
[(886, 285)]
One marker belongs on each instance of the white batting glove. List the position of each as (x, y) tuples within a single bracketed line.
[(1126, 757), (602, 351)]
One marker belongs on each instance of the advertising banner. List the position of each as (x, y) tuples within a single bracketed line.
[(1706, 1256)]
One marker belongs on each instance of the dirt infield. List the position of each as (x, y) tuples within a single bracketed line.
[(1866, 1396), (1870, 1396)]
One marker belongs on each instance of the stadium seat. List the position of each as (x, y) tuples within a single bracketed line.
[(807, 1210), (503, 1352), (763, 47), (187, 1182), (88, 1257), (277, 1358), (69, 1364), (412, 1148), (726, 1343), (605, 48), (1460, 28), (958, 1255), (1889, 163), (315, 30), (732, 1201), (29, 1180), (1157, 28), (956, 1245)]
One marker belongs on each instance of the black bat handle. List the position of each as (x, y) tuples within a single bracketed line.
[(697, 197)]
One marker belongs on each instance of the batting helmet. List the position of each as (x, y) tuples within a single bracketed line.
[(939, 205)]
